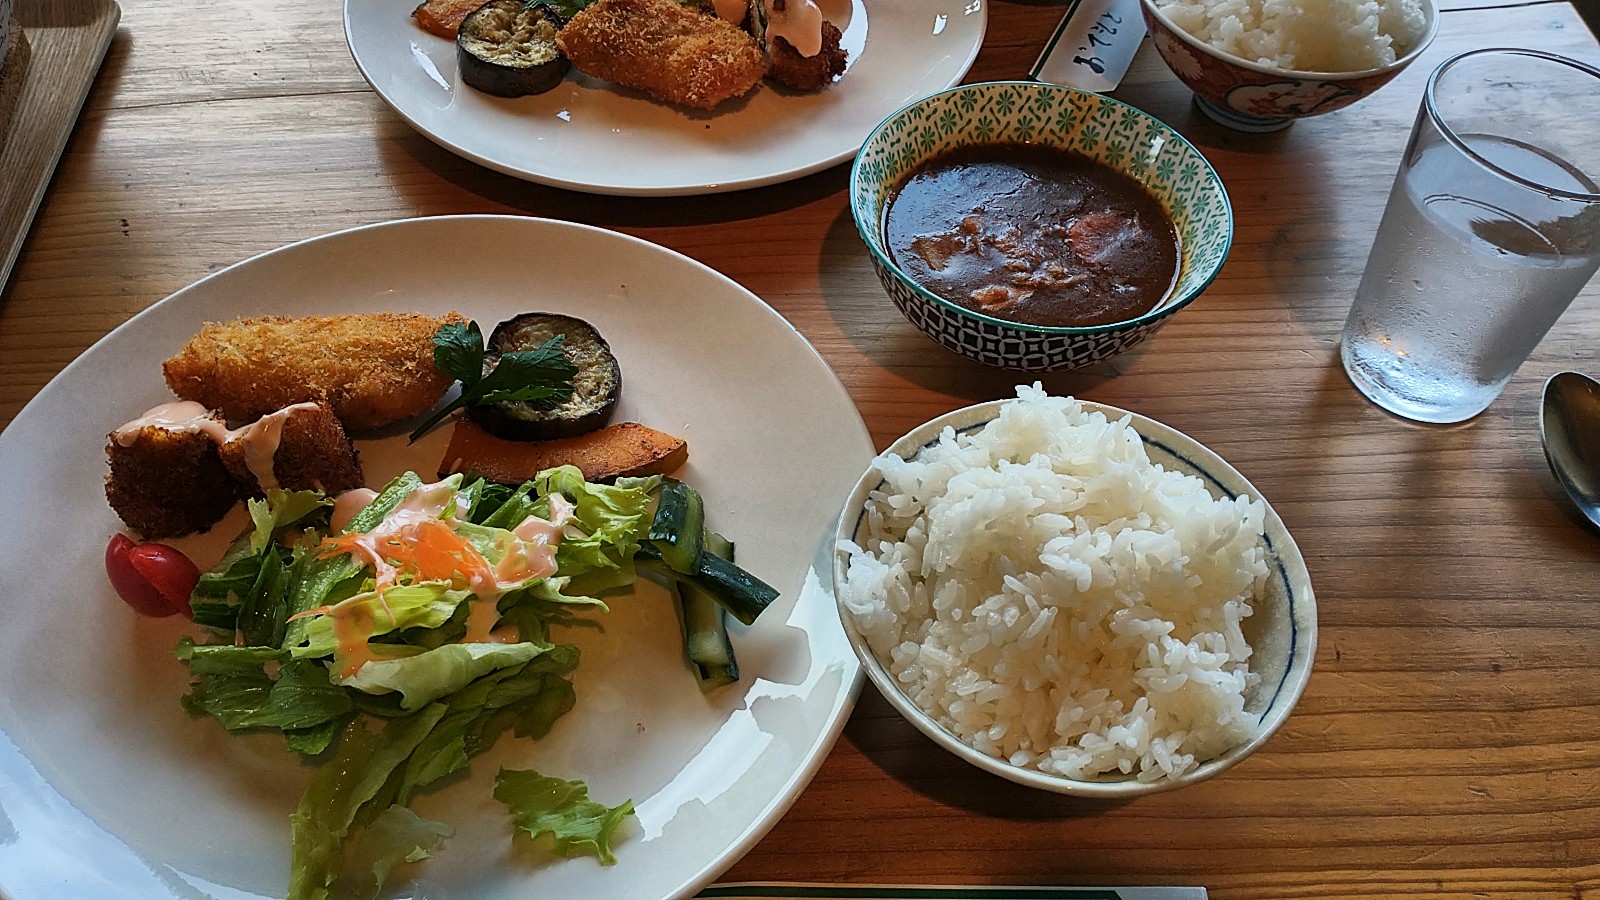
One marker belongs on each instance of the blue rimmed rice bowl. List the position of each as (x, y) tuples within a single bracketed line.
[(926, 679), (1100, 128)]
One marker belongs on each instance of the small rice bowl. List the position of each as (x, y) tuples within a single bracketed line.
[(1056, 600), (1304, 35)]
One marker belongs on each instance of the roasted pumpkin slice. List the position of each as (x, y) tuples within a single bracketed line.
[(624, 449), (443, 17), (595, 387), (508, 48)]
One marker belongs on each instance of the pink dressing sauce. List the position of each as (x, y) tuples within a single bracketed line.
[(183, 415), (799, 21), (531, 555), (347, 504), (259, 439)]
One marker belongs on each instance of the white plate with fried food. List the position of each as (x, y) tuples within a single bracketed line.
[(592, 135), (107, 788)]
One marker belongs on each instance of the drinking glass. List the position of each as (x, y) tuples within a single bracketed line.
[(1492, 228)]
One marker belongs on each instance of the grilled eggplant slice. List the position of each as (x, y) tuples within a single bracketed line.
[(508, 48), (595, 388)]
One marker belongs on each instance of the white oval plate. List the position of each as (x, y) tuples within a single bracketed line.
[(108, 789), (592, 136)]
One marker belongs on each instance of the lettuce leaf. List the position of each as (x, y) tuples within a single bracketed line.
[(397, 835), (430, 674), (216, 598), (237, 583), (279, 510), (234, 688), (262, 609), (374, 776), (393, 494), (344, 788), (562, 809), (613, 520), (530, 698), (314, 740), (427, 605), (225, 659), (510, 510)]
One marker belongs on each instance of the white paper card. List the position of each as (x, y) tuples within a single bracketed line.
[(1093, 46)]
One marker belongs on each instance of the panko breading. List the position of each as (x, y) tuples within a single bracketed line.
[(165, 482), (374, 369), (674, 54), (304, 445)]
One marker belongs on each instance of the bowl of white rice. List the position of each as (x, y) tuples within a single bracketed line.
[(1074, 597), (1258, 65)]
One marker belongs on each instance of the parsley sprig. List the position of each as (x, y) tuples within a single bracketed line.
[(541, 376)]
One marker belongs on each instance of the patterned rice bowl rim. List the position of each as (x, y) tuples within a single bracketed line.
[(1290, 603), (1106, 130), (1430, 12)]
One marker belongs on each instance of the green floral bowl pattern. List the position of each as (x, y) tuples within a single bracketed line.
[(1105, 130)]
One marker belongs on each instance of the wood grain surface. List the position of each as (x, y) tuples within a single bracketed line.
[(68, 38), (1448, 745)]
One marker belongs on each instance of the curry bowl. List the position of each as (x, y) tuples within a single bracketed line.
[(1250, 96), (1124, 139), (933, 597)]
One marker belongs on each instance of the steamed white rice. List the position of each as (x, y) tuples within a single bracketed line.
[(1055, 599), (1304, 35)]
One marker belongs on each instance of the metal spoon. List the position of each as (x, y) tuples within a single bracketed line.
[(1569, 426)]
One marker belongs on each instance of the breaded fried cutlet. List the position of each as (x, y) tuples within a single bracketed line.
[(787, 67), (298, 448), (670, 52), (167, 482), (373, 368)]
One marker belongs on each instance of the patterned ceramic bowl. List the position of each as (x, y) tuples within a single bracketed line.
[(1282, 631), (1105, 130), (1247, 96)]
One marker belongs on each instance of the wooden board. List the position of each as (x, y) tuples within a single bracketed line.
[(69, 39)]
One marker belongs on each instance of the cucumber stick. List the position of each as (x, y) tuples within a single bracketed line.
[(705, 626), (678, 528)]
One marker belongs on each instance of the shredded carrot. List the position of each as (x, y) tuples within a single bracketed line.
[(333, 545), (429, 550), (436, 552)]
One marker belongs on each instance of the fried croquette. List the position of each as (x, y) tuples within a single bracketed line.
[(298, 448), (670, 52), (787, 67), (165, 481), (374, 369)]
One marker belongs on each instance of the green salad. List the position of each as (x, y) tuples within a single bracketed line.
[(394, 646)]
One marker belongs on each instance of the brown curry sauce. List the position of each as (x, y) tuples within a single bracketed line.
[(1032, 234)]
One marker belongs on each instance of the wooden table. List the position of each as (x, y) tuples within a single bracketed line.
[(1449, 743)]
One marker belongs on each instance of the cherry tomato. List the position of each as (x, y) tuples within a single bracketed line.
[(154, 579), (169, 570)]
